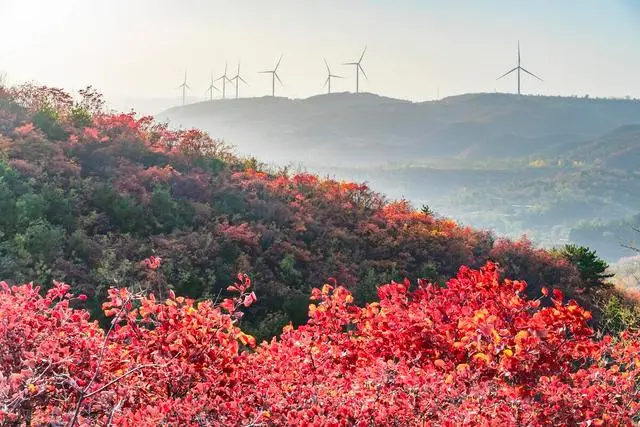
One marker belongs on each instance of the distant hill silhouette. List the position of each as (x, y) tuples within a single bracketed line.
[(619, 149), (343, 128)]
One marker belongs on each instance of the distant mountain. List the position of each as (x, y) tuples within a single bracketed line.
[(615, 239), (365, 129), (619, 149), (515, 164)]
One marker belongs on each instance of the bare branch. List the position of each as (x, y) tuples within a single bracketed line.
[(129, 372), (115, 409)]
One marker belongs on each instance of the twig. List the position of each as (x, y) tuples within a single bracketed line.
[(129, 372), (113, 411), (83, 393)]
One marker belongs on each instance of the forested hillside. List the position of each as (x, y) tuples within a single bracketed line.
[(343, 129), (618, 239), (411, 320), (86, 196), (534, 165)]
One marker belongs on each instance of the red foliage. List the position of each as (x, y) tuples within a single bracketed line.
[(24, 130), (153, 262), (36, 97), (472, 353), (521, 259), (156, 175), (239, 233)]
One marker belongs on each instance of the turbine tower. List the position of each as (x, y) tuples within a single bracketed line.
[(274, 76), (224, 79), (211, 88), (518, 69), (184, 86), (237, 79), (358, 69), (327, 82)]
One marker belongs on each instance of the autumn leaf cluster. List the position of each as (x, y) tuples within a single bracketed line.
[(473, 352)]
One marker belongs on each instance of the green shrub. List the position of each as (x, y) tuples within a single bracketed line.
[(80, 117), (290, 274), (618, 316), (47, 120)]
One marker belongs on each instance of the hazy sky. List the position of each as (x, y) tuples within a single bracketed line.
[(140, 48)]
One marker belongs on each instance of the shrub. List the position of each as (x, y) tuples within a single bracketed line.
[(47, 120), (472, 353)]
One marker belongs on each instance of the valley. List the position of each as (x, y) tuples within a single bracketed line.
[(546, 167)]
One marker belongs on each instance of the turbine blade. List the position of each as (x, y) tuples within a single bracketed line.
[(336, 77), (278, 64), (265, 72), (531, 74), (326, 82), (362, 56), (278, 77), (327, 65), (507, 73), (363, 73), (243, 80), (349, 63)]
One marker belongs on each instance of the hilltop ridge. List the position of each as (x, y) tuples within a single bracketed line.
[(373, 130)]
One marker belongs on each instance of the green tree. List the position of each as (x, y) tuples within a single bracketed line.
[(592, 269), (47, 119), (427, 210)]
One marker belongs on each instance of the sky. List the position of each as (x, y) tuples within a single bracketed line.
[(416, 49)]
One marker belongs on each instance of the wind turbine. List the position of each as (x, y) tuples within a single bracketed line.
[(237, 79), (224, 79), (211, 88), (274, 76), (184, 87), (518, 69), (329, 76), (358, 69)]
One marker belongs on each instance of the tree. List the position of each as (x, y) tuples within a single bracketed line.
[(427, 210), (593, 269)]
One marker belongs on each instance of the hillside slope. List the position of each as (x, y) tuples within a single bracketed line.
[(340, 129), (618, 149), (85, 196)]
